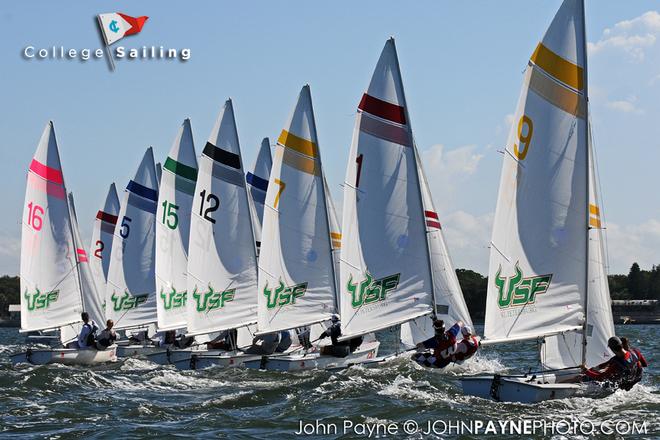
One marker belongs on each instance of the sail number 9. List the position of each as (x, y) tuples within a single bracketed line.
[(35, 216), (170, 218), (213, 205), (527, 126)]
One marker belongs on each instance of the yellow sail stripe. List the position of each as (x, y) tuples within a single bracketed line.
[(301, 163), (298, 144), (558, 67), (594, 222), (593, 209), (556, 94), (336, 244), (335, 235)]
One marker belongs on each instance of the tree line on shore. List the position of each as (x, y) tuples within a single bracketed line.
[(638, 284)]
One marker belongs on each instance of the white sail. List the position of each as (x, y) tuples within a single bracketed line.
[(448, 298), (92, 297), (537, 272), (257, 181), (296, 274), (565, 350), (50, 283), (131, 287), (385, 268), (102, 234), (335, 235), (175, 199), (222, 261)]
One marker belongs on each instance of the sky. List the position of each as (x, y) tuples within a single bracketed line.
[(462, 65)]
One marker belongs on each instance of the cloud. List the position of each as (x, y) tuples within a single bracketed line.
[(633, 243), (625, 106), (468, 238), (447, 169), (632, 37)]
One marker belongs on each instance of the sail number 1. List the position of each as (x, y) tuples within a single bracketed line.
[(525, 124)]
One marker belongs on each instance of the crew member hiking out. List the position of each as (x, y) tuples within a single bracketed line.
[(623, 369), (338, 348)]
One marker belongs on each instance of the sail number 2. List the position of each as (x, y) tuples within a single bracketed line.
[(525, 131), (35, 216)]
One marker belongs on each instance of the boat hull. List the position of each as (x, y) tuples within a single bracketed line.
[(523, 389), (66, 356), (206, 359), (366, 353), (172, 356), (138, 351)]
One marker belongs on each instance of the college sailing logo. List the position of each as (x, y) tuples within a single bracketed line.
[(127, 301), (370, 290), (519, 291), (283, 295), (40, 300), (173, 299), (213, 299)]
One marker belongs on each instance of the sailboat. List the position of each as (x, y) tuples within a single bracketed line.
[(222, 259), (547, 278), (257, 181), (51, 258), (175, 199), (297, 283), (386, 274), (101, 245), (131, 285)]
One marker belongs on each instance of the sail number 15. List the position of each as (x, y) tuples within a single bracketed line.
[(525, 131)]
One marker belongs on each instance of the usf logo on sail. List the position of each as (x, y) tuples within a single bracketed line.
[(40, 300), (173, 299), (283, 295), (127, 301), (212, 300), (518, 290), (370, 290)]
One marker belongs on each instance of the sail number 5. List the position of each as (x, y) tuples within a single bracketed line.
[(527, 126)]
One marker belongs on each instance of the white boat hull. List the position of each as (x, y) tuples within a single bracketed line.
[(172, 356), (365, 353), (206, 359), (67, 356), (139, 351), (523, 389)]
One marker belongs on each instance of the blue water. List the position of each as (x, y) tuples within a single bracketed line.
[(134, 398)]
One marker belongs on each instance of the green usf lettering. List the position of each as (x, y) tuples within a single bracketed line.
[(212, 300), (369, 290), (173, 299), (519, 291), (40, 300), (127, 301), (283, 296)]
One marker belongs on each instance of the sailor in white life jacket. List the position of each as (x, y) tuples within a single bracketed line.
[(467, 347)]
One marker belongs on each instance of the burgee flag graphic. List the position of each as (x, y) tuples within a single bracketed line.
[(116, 26)]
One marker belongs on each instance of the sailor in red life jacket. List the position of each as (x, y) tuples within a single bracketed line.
[(626, 346), (467, 347), (623, 369), (442, 353)]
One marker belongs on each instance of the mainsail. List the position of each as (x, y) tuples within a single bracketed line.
[(538, 258), (257, 182), (222, 261), (296, 273), (102, 235), (50, 281), (175, 199), (131, 287), (385, 267), (448, 298)]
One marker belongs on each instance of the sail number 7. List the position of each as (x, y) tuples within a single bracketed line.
[(527, 126), (282, 185)]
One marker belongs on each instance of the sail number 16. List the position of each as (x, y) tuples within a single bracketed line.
[(525, 131)]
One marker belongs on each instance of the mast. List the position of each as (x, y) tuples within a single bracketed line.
[(419, 183), (588, 180)]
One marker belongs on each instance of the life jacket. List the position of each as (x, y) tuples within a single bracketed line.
[(91, 336), (629, 369), (472, 347)]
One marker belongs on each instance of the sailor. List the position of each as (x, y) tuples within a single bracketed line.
[(437, 338), (626, 346), (107, 337), (264, 344), (285, 342), (338, 348), (623, 369), (87, 336), (467, 347), (226, 340), (445, 348)]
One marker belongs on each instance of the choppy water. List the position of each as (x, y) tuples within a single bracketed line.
[(135, 398)]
